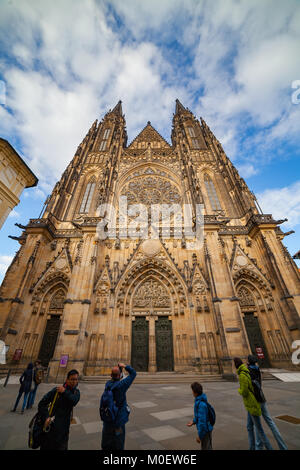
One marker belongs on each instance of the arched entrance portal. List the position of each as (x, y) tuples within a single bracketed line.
[(55, 300), (248, 295), (152, 338)]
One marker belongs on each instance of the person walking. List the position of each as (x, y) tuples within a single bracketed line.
[(201, 418), (64, 398), (256, 375), (26, 381), (251, 405), (113, 433), (38, 378)]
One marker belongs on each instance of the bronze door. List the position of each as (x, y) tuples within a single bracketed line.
[(256, 339), (164, 344), (49, 340), (140, 344)]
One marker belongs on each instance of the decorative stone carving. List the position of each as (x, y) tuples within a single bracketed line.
[(151, 247), (151, 294), (151, 190)]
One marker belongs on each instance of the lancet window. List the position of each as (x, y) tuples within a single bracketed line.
[(195, 141), (212, 194), (87, 198), (104, 140)]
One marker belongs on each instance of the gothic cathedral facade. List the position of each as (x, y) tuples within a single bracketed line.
[(158, 304)]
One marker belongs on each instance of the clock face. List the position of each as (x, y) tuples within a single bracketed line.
[(60, 263), (151, 247), (241, 260)]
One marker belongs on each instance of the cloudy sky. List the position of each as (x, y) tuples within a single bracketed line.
[(233, 62)]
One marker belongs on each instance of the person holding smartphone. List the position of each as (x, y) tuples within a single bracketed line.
[(113, 434)]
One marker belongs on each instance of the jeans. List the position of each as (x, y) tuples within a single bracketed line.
[(254, 421), (113, 439), (32, 396), (272, 426), (18, 399)]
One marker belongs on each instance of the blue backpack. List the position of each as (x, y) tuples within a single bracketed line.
[(108, 409)]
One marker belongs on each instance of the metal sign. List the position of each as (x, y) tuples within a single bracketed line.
[(64, 360), (18, 354), (259, 353)]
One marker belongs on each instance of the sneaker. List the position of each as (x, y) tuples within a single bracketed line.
[(13, 411), (22, 411)]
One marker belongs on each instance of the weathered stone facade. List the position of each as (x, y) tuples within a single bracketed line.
[(158, 303), (14, 177)]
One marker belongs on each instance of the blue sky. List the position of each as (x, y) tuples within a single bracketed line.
[(233, 62)]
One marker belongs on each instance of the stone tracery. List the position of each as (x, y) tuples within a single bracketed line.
[(149, 190)]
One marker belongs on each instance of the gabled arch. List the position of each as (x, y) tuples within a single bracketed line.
[(157, 269), (253, 277), (257, 287), (53, 279), (158, 166)]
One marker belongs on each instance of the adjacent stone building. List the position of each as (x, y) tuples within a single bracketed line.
[(14, 177), (162, 304)]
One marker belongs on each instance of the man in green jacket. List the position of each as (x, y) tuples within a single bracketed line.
[(251, 405)]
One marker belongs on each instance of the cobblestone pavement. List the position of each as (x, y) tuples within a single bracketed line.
[(159, 414)]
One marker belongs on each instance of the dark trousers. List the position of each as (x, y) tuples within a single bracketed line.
[(206, 442), (112, 438), (50, 444), (26, 394), (31, 398)]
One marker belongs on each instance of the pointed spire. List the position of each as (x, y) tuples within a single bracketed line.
[(118, 108), (180, 109)]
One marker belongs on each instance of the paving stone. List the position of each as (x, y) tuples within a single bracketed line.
[(160, 433), (170, 388), (94, 427), (144, 404), (153, 446), (230, 431), (173, 414)]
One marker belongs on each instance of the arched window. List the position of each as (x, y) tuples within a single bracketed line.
[(87, 198), (104, 140), (195, 141), (212, 194)]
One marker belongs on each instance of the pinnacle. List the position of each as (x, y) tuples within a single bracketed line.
[(118, 108), (180, 108)]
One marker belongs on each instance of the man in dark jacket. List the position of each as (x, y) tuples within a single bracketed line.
[(68, 397), (113, 435), (256, 375), (26, 381)]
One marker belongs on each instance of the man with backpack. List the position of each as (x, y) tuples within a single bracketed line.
[(256, 382), (38, 378), (114, 410), (251, 404), (204, 417)]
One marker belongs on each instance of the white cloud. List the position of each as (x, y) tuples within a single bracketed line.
[(282, 203), (247, 170), (4, 263), (69, 64), (14, 213)]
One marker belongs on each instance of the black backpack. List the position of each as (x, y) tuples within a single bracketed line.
[(258, 393), (257, 390), (211, 414)]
